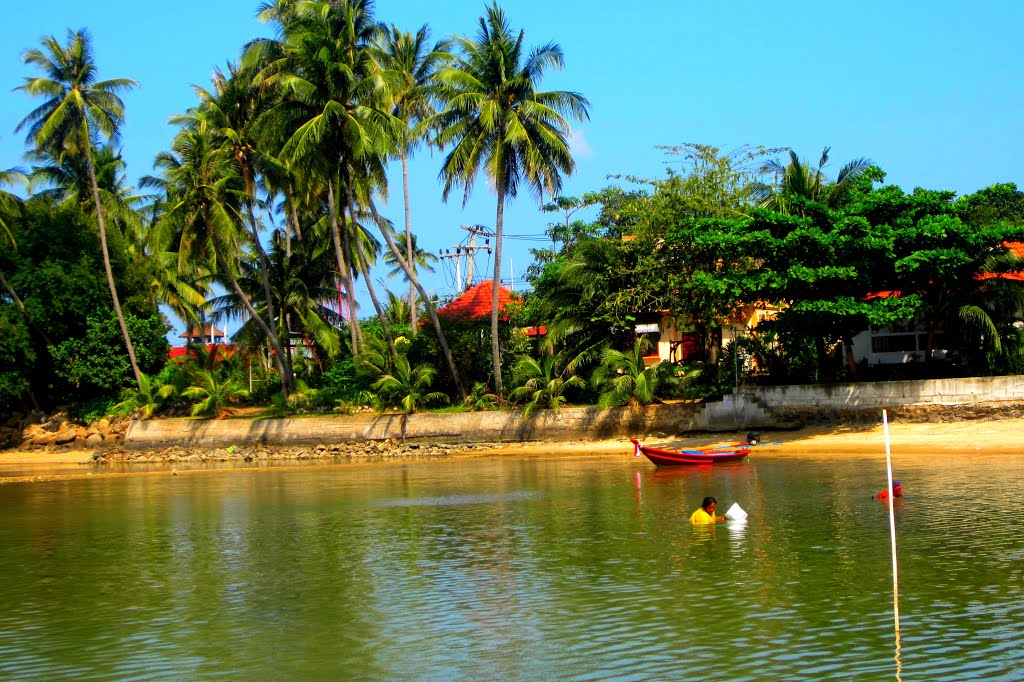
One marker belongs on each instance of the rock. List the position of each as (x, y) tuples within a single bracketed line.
[(65, 436), (94, 440)]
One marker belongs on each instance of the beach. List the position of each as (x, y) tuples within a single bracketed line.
[(917, 438)]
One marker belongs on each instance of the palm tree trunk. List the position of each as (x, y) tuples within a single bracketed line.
[(409, 255), (264, 262), (428, 304), (495, 350), (106, 263), (342, 266), (286, 379), (365, 270), (295, 218), (350, 283)]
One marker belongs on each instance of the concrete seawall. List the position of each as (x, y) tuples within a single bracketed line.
[(463, 427), (752, 408)]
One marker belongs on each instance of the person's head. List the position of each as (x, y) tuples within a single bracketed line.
[(709, 504)]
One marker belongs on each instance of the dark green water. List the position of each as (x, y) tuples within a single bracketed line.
[(517, 568)]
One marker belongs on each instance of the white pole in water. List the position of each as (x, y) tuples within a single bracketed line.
[(892, 528)]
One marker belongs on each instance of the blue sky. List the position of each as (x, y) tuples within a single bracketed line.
[(931, 92)]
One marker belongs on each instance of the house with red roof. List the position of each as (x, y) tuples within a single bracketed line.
[(908, 342), (214, 339), (209, 334), (474, 304)]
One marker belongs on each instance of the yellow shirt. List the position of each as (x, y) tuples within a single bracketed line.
[(701, 516)]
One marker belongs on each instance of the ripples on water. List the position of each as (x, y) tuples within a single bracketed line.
[(540, 568)]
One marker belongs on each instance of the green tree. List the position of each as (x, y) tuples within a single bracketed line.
[(91, 363), (497, 121), (202, 222), (414, 63), (231, 110), (626, 378), (215, 393), (408, 387), (334, 108), (799, 179), (17, 356), (77, 107), (542, 382), (10, 207)]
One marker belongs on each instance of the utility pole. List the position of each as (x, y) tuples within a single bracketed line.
[(468, 252)]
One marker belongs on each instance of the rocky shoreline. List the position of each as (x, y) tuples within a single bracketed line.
[(334, 452), (40, 431)]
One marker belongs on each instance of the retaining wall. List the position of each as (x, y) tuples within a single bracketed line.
[(466, 427), (891, 393), (752, 408)]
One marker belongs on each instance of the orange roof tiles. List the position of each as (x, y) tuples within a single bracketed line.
[(474, 304)]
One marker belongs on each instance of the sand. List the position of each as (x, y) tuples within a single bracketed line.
[(948, 438)]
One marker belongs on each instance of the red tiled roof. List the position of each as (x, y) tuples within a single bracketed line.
[(225, 349), (475, 303)]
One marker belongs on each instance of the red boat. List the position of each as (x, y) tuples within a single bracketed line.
[(727, 453)]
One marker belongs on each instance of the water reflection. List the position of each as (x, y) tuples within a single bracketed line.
[(567, 567)]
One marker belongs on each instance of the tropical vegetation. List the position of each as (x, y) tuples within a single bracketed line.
[(265, 210)]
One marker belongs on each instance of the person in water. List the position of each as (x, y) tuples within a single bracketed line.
[(706, 513)]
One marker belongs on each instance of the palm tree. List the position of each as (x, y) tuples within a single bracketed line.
[(299, 287), (799, 179), (333, 105), (496, 120), (409, 386), (77, 109), (232, 109), (66, 178), (215, 391), (628, 379), (416, 65), (422, 261), (203, 219), (10, 204), (542, 382)]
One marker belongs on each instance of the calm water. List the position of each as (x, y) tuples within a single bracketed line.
[(519, 568)]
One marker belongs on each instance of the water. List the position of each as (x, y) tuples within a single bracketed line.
[(522, 568)]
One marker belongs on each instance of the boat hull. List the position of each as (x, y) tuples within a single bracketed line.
[(697, 457)]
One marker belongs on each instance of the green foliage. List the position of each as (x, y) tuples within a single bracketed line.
[(481, 399), (408, 387), (97, 362), (57, 274), (92, 410), (215, 393), (695, 381), (17, 357), (625, 378), (541, 383), (143, 400)]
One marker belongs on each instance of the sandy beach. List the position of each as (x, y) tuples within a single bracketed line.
[(948, 438)]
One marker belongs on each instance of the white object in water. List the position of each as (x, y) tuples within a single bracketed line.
[(735, 513)]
